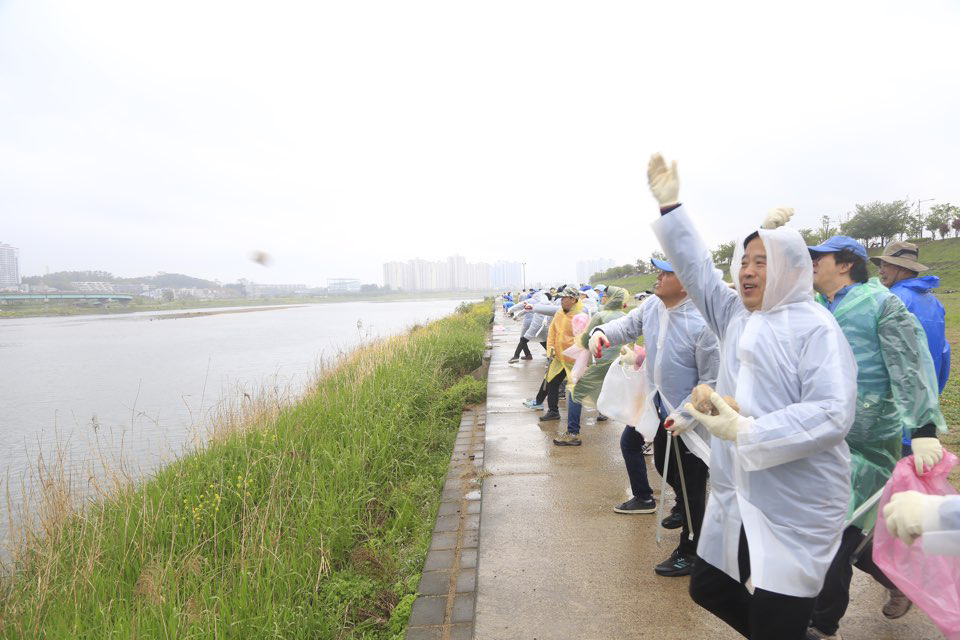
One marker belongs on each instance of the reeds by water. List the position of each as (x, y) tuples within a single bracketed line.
[(301, 521)]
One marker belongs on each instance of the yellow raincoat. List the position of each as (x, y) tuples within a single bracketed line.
[(560, 337)]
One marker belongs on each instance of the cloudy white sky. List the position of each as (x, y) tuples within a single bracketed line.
[(179, 136)]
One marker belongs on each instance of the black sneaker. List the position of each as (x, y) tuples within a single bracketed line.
[(602, 418), (636, 505), (513, 360), (678, 564), (526, 357), (549, 416), (672, 521)]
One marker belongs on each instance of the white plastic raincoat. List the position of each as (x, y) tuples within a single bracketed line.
[(946, 539), (787, 479), (540, 324), (682, 352)]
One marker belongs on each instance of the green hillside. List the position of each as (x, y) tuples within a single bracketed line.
[(633, 284)]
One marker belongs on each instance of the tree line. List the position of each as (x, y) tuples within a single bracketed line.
[(62, 280)]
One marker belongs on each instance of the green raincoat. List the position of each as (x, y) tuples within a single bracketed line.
[(587, 388), (889, 345)]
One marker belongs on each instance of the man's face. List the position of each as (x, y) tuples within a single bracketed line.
[(891, 274), (826, 272), (753, 274), (568, 303), (668, 286)]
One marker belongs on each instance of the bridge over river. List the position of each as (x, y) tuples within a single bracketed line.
[(96, 297)]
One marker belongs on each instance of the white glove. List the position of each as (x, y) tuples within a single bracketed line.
[(777, 217), (910, 514), (664, 183), (927, 452), (725, 426), (628, 357), (679, 422), (598, 341)]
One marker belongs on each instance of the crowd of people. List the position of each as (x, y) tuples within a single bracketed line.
[(819, 379)]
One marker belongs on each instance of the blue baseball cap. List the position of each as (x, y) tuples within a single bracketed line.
[(839, 243), (586, 287), (663, 265)]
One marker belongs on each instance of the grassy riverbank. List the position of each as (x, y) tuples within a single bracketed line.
[(310, 521)]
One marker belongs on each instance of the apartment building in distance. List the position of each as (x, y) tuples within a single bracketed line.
[(9, 266)]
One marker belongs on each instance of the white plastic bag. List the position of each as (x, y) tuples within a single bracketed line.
[(624, 393)]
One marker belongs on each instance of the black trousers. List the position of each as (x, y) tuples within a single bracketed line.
[(695, 473), (522, 346), (551, 391), (832, 602), (631, 446), (762, 615)]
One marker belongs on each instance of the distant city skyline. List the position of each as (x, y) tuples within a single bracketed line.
[(586, 268)]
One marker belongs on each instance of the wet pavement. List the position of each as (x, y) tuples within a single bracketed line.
[(556, 562)]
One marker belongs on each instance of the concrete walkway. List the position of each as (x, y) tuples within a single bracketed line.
[(555, 561)]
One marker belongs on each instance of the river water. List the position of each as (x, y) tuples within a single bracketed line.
[(143, 387)]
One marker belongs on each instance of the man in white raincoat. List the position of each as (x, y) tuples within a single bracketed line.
[(780, 469), (682, 352)]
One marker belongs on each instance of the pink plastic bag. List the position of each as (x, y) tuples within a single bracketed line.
[(580, 355), (931, 582), (579, 322)]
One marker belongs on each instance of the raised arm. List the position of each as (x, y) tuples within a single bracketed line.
[(687, 253)]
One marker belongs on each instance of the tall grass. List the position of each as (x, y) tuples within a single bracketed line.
[(309, 521)]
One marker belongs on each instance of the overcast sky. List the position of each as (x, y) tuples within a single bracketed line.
[(179, 136)]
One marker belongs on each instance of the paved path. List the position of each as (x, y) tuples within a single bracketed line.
[(555, 561)]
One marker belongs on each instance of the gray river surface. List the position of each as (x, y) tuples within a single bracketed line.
[(141, 388)]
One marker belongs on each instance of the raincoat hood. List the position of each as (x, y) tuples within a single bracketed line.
[(789, 267), (923, 284), (615, 297)]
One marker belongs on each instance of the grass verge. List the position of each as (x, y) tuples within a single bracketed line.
[(310, 521)]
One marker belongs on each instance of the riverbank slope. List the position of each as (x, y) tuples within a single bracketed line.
[(295, 522)]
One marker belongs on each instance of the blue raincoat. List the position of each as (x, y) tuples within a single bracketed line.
[(916, 295)]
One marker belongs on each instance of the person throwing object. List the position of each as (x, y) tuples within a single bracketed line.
[(780, 468)]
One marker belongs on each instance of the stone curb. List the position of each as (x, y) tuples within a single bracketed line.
[(446, 597)]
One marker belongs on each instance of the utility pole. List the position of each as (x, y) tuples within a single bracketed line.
[(524, 264)]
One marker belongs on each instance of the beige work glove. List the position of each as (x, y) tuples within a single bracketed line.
[(777, 217), (663, 181), (727, 424), (910, 514), (551, 352), (598, 342), (927, 452)]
